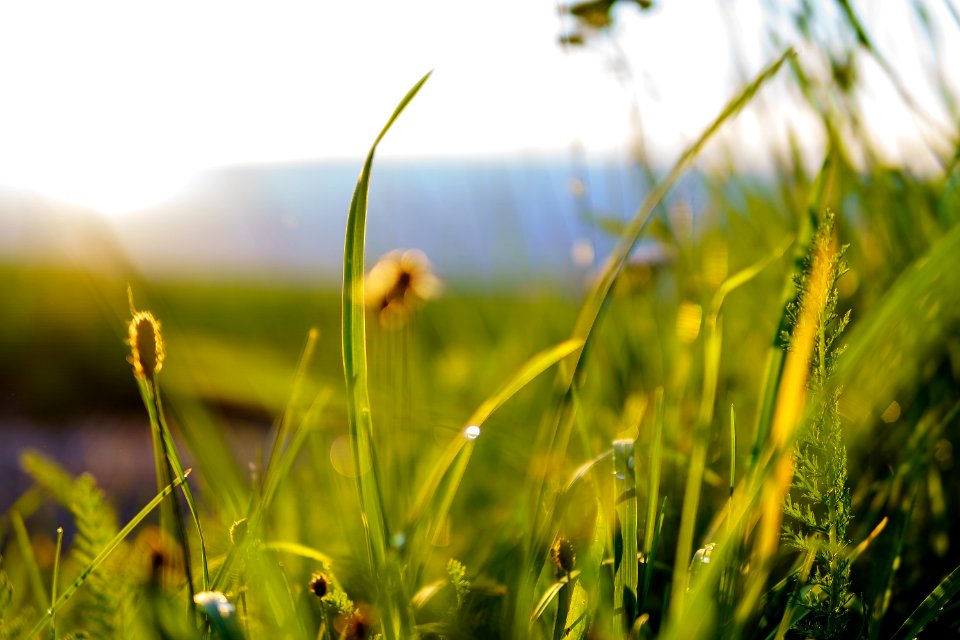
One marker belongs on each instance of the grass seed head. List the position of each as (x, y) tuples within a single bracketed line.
[(146, 345), (238, 531), (320, 584), (563, 555)]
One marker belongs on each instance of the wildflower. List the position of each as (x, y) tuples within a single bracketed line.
[(563, 555), (146, 345), (320, 584), (398, 283)]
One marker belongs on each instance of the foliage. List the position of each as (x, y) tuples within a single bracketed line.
[(615, 501)]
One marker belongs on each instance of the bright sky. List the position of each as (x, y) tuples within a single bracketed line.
[(115, 104)]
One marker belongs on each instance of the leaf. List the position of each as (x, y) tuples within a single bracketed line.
[(929, 609), (354, 344)]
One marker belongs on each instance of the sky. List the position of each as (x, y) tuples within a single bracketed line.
[(117, 104)]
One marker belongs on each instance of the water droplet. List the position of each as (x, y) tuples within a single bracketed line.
[(472, 432), (399, 539)]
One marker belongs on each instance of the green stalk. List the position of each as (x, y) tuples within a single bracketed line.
[(55, 580)]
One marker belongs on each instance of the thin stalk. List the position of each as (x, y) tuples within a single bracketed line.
[(56, 580)]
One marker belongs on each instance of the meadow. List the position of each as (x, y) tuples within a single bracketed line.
[(752, 437)]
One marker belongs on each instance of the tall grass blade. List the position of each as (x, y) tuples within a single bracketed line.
[(587, 319), (358, 397)]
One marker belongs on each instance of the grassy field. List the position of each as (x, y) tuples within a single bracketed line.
[(751, 439)]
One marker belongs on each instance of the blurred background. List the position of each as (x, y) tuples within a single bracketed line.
[(205, 153)]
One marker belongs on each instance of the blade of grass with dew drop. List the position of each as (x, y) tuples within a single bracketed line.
[(929, 609), (441, 473), (587, 319), (397, 623), (104, 554), (443, 483), (29, 560)]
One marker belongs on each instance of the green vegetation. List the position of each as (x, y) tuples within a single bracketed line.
[(531, 467)]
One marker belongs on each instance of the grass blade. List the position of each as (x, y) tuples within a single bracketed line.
[(104, 554), (625, 574), (355, 373), (442, 484), (29, 559), (930, 608), (587, 319)]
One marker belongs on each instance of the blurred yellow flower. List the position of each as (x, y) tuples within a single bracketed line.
[(398, 283)]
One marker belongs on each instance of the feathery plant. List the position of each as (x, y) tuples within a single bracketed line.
[(817, 511)]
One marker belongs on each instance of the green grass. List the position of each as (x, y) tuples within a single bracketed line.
[(433, 473)]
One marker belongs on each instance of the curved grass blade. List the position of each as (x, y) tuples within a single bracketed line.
[(930, 608), (107, 550), (29, 559), (550, 594), (442, 484), (527, 373), (298, 549), (587, 319), (396, 623)]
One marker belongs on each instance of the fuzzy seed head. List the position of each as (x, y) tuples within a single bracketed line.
[(563, 555), (146, 345), (238, 531)]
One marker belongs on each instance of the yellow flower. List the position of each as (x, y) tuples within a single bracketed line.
[(398, 283), (146, 345)]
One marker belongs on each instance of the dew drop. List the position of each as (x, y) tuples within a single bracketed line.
[(472, 432)]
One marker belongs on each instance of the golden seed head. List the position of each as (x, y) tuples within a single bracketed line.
[(238, 531), (563, 555), (398, 283), (320, 584), (146, 345)]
